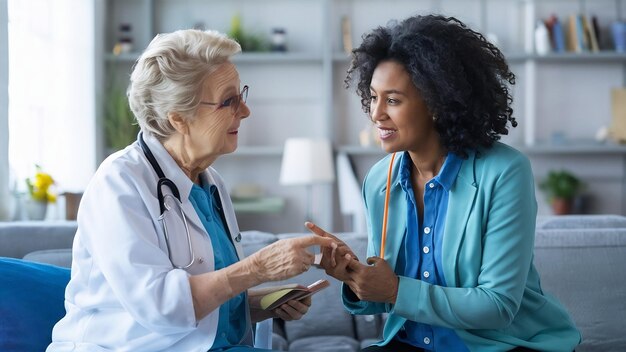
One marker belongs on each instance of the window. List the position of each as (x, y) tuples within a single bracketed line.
[(51, 113)]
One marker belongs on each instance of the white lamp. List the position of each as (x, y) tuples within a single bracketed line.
[(307, 162)]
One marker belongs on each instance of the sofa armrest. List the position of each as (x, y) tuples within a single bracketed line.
[(19, 238), (58, 257)]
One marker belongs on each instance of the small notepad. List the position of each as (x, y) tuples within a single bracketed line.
[(279, 295)]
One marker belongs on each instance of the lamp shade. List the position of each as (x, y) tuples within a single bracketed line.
[(307, 161)]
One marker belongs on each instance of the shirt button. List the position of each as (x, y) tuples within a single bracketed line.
[(426, 249), (431, 185), (427, 230), (426, 274), (427, 340)]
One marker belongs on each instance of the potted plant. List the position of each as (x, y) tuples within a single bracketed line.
[(561, 188), (120, 126), (40, 194), (119, 122)]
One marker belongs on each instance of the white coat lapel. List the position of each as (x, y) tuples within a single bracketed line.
[(227, 206)]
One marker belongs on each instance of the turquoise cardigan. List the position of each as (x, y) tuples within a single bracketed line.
[(494, 299)]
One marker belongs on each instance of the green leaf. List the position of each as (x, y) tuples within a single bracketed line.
[(561, 184), (120, 126)]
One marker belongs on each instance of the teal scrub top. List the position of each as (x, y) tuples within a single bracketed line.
[(231, 327)]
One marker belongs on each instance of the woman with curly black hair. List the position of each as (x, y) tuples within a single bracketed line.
[(451, 211)]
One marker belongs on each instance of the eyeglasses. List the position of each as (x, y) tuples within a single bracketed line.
[(233, 102)]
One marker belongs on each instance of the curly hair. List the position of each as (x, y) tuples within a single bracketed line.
[(460, 75)]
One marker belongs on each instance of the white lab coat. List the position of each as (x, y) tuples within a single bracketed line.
[(124, 293)]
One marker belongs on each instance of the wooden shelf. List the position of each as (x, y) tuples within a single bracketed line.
[(259, 205), (124, 57), (571, 148), (257, 151), (270, 58), (243, 58), (362, 151), (602, 56)]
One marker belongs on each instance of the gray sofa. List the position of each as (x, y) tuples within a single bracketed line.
[(581, 259)]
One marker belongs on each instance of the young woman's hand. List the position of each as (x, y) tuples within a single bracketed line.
[(334, 259), (375, 282)]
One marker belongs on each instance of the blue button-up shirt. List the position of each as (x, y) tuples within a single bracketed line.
[(420, 252), (231, 326)]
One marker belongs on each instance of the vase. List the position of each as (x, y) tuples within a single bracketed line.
[(562, 206), (36, 210)]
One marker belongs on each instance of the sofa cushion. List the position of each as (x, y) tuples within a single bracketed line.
[(18, 238), (279, 343), (325, 343), (585, 271), (368, 342), (580, 238), (252, 241), (563, 222), (326, 303), (58, 257), (31, 302)]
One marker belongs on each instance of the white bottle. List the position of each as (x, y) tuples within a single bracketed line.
[(542, 39)]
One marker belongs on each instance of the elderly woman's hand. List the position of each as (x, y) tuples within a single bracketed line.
[(286, 258), (334, 260), (293, 310)]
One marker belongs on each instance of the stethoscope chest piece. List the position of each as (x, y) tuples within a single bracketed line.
[(165, 206)]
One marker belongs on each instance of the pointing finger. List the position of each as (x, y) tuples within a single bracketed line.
[(312, 240), (317, 230)]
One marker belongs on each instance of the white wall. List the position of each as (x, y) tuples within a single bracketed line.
[(4, 112)]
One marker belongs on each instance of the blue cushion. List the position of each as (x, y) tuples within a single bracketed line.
[(31, 302)]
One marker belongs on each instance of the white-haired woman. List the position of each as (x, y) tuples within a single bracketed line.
[(157, 261)]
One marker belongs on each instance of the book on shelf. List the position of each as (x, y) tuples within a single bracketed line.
[(581, 40), (572, 38), (590, 34), (596, 30), (557, 38), (582, 34), (274, 297), (618, 109)]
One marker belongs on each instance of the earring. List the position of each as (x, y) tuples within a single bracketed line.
[(434, 118)]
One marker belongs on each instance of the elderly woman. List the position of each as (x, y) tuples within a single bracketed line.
[(157, 261), (451, 210)]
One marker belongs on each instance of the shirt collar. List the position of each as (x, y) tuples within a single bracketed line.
[(446, 177), (449, 171)]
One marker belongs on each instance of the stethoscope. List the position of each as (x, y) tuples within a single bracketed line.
[(163, 206)]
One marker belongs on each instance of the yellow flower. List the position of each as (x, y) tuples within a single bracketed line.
[(43, 180), (52, 198), (39, 187)]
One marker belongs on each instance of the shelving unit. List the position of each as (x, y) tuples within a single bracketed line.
[(301, 93)]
